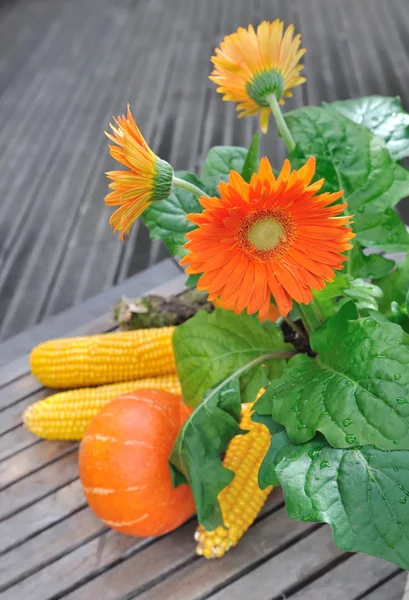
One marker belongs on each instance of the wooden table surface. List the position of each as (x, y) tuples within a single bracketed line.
[(52, 546)]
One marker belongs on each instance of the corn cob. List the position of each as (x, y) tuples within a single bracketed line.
[(66, 415), (106, 358), (242, 499)]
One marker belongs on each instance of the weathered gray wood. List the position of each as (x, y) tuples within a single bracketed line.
[(90, 558), (48, 546), (280, 573), (200, 578), (38, 485), (16, 440), (147, 559), (33, 459), (41, 515), (391, 590), (153, 563), (11, 416), (348, 580)]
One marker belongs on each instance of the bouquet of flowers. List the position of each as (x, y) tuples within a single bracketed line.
[(309, 308)]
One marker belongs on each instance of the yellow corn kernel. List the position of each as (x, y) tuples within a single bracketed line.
[(105, 358), (242, 499), (66, 415)]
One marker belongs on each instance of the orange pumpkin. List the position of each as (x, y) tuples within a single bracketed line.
[(123, 464)]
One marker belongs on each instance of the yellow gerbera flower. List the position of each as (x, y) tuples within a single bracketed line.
[(147, 179), (252, 66)]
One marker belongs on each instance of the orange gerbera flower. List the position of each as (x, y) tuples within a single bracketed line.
[(250, 66), (273, 236), (148, 179)]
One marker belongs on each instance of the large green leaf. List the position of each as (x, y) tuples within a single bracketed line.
[(395, 286), (166, 219), (355, 392), (218, 164), (352, 159), (371, 266), (196, 455), (361, 492), (384, 116), (251, 163), (209, 347)]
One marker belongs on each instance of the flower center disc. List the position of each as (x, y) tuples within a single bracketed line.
[(265, 234)]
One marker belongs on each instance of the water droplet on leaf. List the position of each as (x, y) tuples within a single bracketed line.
[(402, 500), (397, 376), (325, 413), (314, 452), (346, 422), (367, 321), (395, 469), (350, 439), (401, 400), (324, 464), (383, 496), (302, 425)]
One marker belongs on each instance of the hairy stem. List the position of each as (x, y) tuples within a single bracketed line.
[(189, 187), (281, 124)]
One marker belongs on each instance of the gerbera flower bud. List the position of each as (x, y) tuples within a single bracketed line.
[(148, 178), (252, 66), (274, 237)]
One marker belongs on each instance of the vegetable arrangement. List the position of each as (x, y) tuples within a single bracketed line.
[(311, 307), (308, 245)]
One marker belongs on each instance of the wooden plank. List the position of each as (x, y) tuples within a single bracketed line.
[(38, 485), (15, 441), (140, 561), (41, 515), (12, 415), (87, 560), (280, 573), (199, 579), (33, 459), (393, 589), (348, 580), (19, 388), (48, 546), (151, 564)]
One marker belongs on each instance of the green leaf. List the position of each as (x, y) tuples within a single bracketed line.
[(209, 347), (166, 219), (279, 440), (196, 455), (355, 392), (364, 294), (251, 163), (362, 493), (372, 266), (395, 286), (325, 299), (352, 159), (218, 164), (192, 280), (384, 116)]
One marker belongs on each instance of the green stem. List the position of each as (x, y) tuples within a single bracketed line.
[(190, 187), (281, 124), (309, 315)]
